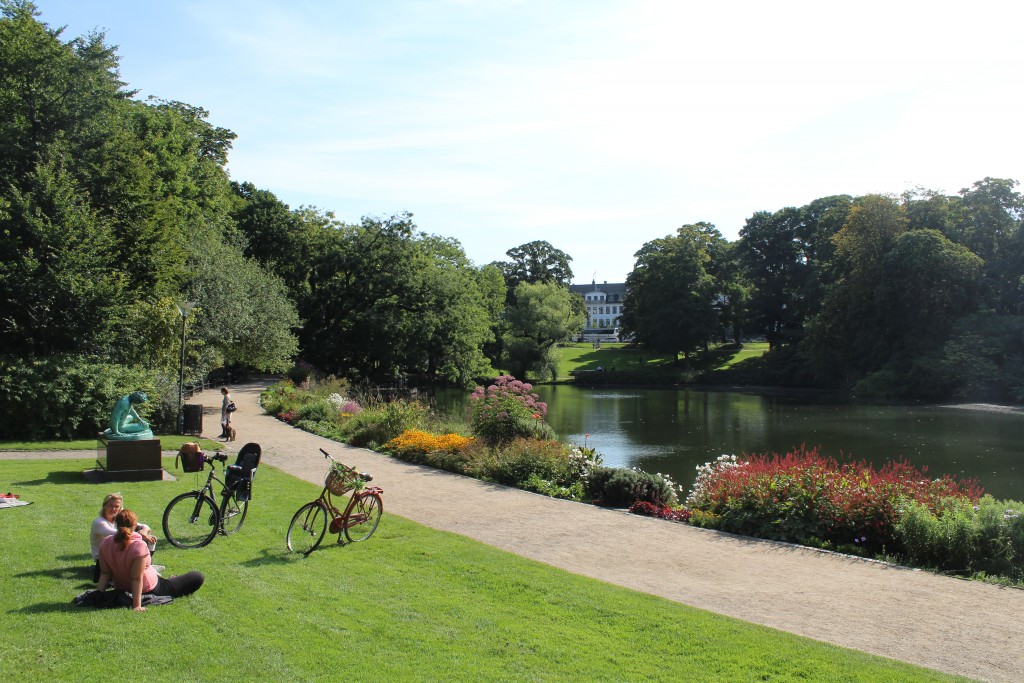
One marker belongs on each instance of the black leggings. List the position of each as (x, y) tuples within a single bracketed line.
[(177, 586)]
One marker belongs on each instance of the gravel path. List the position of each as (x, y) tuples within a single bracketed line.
[(957, 626)]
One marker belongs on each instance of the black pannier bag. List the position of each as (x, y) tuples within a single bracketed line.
[(240, 475)]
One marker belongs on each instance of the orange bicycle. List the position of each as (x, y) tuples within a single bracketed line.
[(358, 521)]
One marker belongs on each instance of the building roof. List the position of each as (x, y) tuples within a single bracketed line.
[(614, 290)]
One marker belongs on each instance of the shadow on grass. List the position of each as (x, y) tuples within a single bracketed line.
[(84, 573), (44, 607), (54, 478), (268, 557)]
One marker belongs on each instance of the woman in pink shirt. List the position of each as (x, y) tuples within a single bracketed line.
[(124, 558)]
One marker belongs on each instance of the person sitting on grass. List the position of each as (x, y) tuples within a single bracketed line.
[(124, 559), (103, 526)]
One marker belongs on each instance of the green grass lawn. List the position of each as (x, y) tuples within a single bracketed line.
[(410, 604), (583, 356), (168, 442)]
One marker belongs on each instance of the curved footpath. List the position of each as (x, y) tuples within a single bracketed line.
[(960, 627)]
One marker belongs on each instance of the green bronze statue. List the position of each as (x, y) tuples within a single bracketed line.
[(125, 422)]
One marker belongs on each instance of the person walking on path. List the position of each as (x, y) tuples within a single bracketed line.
[(227, 406)]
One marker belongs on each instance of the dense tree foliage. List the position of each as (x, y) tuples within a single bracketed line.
[(676, 291), (543, 315), (388, 302), (535, 262), (112, 209), (917, 296)]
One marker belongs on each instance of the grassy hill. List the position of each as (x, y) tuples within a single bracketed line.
[(622, 363)]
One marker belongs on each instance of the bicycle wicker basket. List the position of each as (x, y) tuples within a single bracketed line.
[(341, 479)]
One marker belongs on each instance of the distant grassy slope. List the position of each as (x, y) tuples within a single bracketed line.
[(622, 358)]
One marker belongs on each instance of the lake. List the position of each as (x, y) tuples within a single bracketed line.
[(675, 431)]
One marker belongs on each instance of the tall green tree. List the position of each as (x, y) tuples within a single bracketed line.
[(454, 316), (847, 336), (282, 240), (397, 303), (673, 299), (57, 279), (535, 262), (243, 315), (773, 260), (542, 316)]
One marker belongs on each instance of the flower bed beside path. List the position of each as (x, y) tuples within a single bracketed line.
[(896, 512)]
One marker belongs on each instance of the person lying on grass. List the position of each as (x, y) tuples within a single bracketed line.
[(103, 526), (124, 558)]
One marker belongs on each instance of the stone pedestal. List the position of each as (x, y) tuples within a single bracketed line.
[(130, 460)]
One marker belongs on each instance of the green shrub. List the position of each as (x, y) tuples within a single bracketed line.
[(546, 487), (282, 397), (705, 520), (458, 462), (984, 539), (949, 540), (300, 373), (325, 386), (513, 463), (382, 422), (620, 487), (318, 410), (68, 396), (507, 410), (326, 429), (1002, 537)]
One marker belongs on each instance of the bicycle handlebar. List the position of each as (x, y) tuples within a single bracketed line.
[(363, 475), (217, 456)]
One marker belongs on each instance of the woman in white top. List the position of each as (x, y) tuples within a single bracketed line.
[(104, 526), (225, 414)]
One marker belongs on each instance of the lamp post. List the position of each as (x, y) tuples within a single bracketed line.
[(184, 308)]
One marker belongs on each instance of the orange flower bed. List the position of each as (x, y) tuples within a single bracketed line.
[(415, 441)]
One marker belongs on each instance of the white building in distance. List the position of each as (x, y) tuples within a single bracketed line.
[(604, 309)]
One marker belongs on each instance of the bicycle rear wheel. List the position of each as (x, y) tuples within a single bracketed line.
[(191, 520), (307, 528), (232, 512), (363, 517)]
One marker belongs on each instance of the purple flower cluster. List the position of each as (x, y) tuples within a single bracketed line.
[(506, 409), (510, 388)]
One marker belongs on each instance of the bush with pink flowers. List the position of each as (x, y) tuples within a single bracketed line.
[(506, 410)]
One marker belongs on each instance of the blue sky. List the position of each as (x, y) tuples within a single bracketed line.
[(594, 125)]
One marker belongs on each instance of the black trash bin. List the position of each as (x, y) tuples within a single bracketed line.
[(193, 415)]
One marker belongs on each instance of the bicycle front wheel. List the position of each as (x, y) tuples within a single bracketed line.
[(191, 520), (307, 528), (232, 512), (363, 517)]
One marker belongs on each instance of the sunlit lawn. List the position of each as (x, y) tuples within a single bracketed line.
[(410, 604), (171, 442), (583, 356)]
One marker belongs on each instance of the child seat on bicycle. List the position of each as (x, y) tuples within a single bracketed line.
[(240, 475)]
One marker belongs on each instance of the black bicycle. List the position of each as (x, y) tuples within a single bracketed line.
[(192, 519)]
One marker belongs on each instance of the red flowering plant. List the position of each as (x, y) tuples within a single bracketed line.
[(803, 495), (506, 410), (642, 507)]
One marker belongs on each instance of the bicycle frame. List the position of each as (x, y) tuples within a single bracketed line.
[(356, 522), (346, 520), (207, 489)]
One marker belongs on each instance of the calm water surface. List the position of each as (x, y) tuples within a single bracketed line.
[(675, 431)]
